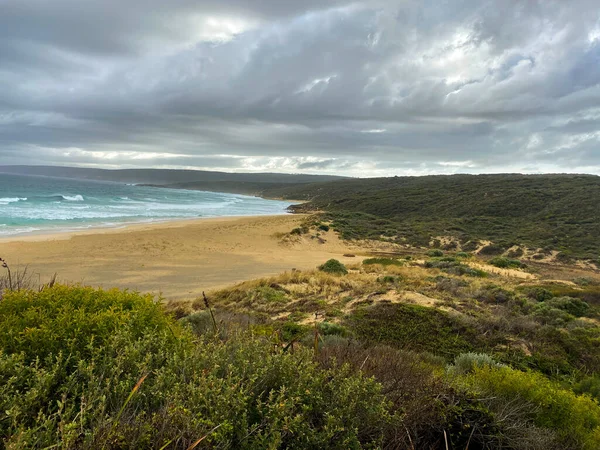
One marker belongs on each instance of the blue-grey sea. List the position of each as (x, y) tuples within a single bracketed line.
[(33, 204)]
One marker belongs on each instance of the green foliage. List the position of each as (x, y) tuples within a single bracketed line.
[(412, 327), (559, 212), (72, 357), (292, 331), (491, 249), (334, 266), (435, 252), (67, 319), (575, 418), (494, 294), (507, 263), (549, 315), (383, 261), (323, 227), (538, 293), (573, 306), (589, 385), (467, 363), (332, 329)]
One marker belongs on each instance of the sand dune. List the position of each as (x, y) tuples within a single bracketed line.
[(179, 259)]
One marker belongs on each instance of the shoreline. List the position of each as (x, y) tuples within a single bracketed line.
[(178, 259), (45, 235)]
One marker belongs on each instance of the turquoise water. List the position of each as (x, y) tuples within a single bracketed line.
[(32, 204)]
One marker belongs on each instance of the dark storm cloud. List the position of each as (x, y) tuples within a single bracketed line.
[(357, 87)]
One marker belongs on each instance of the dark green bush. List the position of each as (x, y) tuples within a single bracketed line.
[(435, 253), (573, 306), (507, 263), (323, 227), (491, 249), (334, 266), (332, 329), (494, 294), (383, 261), (413, 327)]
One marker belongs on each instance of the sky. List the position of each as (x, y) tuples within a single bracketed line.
[(358, 88)]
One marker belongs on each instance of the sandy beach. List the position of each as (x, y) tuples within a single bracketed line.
[(178, 259)]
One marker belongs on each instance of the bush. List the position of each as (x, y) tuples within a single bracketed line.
[(507, 263), (589, 385), (334, 266), (87, 369), (332, 329), (412, 327), (576, 419), (548, 315), (383, 261), (538, 294), (494, 294), (323, 227), (453, 267), (435, 253), (467, 363), (491, 249), (573, 306)]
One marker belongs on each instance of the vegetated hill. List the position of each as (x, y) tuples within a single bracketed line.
[(184, 179), (558, 212)]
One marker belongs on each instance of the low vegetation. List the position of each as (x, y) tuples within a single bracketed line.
[(545, 212)]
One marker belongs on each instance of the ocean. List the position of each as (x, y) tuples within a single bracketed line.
[(34, 204)]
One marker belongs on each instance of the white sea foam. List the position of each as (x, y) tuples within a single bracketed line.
[(73, 198), (7, 200)]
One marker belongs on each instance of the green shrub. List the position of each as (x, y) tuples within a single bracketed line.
[(412, 327), (330, 329), (538, 293), (435, 253), (576, 419), (507, 263), (71, 357), (463, 255), (334, 266), (548, 315), (491, 249), (383, 261), (453, 267), (516, 253), (467, 363), (323, 227), (292, 331), (573, 306), (589, 385), (494, 294), (66, 319)]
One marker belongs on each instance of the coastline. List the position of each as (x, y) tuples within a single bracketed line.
[(179, 259), (46, 235)]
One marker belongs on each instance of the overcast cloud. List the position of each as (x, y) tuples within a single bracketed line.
[(359, 88)]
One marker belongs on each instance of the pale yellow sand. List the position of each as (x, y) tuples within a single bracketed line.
[(179, 259)]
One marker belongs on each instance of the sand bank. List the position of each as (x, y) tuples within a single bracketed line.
[(179, 259)]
